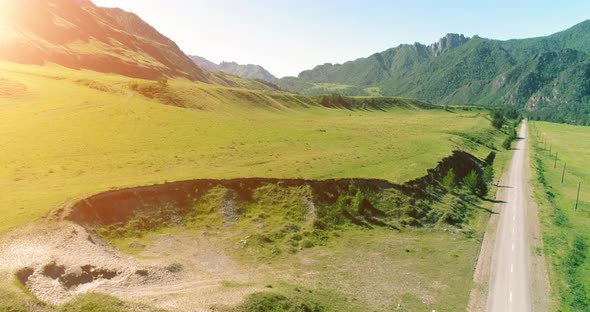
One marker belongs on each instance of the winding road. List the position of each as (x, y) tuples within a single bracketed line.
[(509, 279)]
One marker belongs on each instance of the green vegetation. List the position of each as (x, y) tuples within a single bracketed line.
[(273, 302), (94, 302), (488, 175), (507, 143), (549, 76), (75, 133), (450, 180), (13, 300), (564, 229)]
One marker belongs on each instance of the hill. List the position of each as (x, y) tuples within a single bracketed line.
[(548, 76), (77, 34), (249, 71)]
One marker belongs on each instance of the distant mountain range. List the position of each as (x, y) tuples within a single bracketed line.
[(248, 71), (549, 76)]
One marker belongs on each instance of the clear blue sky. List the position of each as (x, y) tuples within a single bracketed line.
[(288, 36)]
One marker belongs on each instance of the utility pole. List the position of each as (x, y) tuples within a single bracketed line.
[(563, 173), (578, 197)]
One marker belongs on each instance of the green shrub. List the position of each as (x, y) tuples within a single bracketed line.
[(95, 302), (273, 302), (174, 268), (507, 143), (306, 243), (575, 259)]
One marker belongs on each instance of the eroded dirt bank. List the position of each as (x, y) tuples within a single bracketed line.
[(119, 206)]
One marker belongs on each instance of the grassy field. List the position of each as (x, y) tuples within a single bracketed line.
[(68, 134), (565, 230)]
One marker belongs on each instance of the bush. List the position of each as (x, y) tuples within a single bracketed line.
[(273, 302), (497, 122), (306, 243), (174, 268), (508, 141), (318, 224), (95, 302)]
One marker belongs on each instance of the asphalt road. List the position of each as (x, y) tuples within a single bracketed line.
[(509, 279)]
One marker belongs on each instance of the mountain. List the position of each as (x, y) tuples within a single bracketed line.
[(248, 71), (548, 76), (204, 63), (78, 34)]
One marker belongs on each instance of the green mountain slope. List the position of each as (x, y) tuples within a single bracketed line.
[(546, 75)]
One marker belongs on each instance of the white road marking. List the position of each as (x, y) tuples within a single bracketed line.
[(511, 296), (512, 268)]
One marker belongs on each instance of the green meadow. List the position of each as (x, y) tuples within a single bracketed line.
[(68, 134), (564, 228)]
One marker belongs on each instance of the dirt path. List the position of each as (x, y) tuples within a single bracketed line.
[(509, 285), (517, 278)]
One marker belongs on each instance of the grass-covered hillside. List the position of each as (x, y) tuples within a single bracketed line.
[(564, 228), (548, 76)]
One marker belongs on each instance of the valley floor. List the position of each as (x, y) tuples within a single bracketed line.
[(72, 134)]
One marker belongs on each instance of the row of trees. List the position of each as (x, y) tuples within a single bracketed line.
[(474, 182), (504, 115)]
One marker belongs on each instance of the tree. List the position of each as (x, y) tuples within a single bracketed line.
[(449, 180), (472, 183), (429, 190), (497, 119), (511, 137), (488, 175)]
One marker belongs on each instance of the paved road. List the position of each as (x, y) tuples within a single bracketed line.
[(509, 278)]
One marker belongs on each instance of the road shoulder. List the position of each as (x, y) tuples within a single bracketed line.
[(538, 278), (481, 277)]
